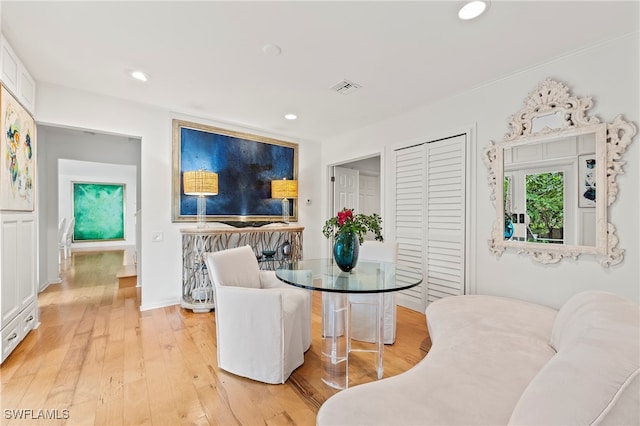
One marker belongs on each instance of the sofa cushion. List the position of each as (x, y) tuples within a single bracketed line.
[(485, 351), (593, 379), (465, 317)]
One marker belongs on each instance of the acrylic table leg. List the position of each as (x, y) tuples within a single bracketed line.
[(335, 339), (380, 334)]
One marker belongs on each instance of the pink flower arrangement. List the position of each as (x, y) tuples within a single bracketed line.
[(344, 216), (346, 221)]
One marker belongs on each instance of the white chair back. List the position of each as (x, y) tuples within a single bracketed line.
[(62, 227), (381, 251), (240, 269), (363, 306), (65, 238), (69, 231)]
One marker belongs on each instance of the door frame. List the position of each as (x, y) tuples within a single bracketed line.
[(330, 209)]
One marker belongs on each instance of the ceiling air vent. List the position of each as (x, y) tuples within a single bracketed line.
[(345, 87)]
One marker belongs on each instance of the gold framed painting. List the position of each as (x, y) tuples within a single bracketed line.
[(17, 155), (245, 164)]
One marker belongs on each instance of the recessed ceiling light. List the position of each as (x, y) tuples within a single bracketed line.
[(140, 76), (290, 116), (472, 9), (272, 49)]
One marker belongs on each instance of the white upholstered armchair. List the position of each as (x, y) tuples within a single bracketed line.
[(364, 306), (263, 326)]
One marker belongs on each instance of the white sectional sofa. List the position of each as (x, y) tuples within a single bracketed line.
[(497, 361)]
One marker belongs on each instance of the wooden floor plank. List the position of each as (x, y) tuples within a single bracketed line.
[(136, 409), (109, 410), (86, 388), (99, 360), (159, 392)]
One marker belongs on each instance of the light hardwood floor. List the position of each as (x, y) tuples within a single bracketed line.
[(96, 359)]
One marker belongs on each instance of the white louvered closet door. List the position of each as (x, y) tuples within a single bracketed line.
[(410, 218), (430, 217)]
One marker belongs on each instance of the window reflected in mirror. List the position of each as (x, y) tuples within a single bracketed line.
[(542, 218), (545, 208), (507, 197), (543, 191)]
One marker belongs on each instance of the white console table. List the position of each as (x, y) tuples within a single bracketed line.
[(197, 290)]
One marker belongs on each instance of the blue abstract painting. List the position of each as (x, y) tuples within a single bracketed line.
[(245, 165)]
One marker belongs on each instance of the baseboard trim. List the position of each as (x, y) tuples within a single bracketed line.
[(158, 305), (48, 283)]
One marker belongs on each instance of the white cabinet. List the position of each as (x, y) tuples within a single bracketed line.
[(27, 90), (16, 78), (9, 66), (18, 305), (18, 280)]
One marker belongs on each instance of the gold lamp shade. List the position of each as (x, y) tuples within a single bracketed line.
[(200, 182), (284, 188)]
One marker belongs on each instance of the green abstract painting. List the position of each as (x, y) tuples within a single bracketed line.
[(99, 211)]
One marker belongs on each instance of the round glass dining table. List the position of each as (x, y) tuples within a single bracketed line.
[(368, 277)]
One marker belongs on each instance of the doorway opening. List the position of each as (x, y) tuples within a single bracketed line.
[(71, 157), (357, 185)]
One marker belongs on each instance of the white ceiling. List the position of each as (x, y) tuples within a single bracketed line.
[(206, 58)]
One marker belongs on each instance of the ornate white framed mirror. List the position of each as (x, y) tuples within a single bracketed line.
[(553, 178)]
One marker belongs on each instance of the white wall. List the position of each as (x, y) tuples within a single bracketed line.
[(70, 171), (161, 262), (607, 72)]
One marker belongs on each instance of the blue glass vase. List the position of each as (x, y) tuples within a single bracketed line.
[(508, 228), (345, 250)]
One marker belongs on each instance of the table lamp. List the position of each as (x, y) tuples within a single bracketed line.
[(284, 189), (202, 184)]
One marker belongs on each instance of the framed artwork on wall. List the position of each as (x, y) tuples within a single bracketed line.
[(99, 211), (17, 155), (587, 180), (245, 165)]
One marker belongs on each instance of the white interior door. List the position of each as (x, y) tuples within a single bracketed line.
[(446, 218), (369, 194), (410, 217), (369, 198), (345, 188)]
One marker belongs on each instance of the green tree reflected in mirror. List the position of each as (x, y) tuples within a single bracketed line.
[(545, 207)]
